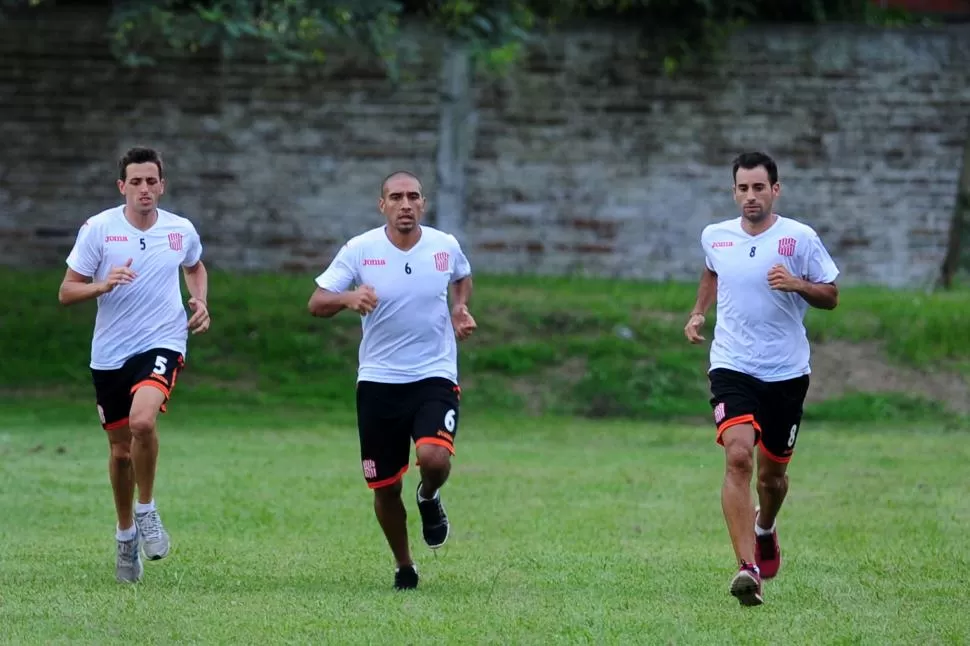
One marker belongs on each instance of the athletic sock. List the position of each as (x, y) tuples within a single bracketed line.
[(423, 499), (763, 532)]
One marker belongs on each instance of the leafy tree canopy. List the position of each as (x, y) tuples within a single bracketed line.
[(301, 31)]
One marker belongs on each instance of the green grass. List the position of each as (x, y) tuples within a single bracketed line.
[(584, 347), (565, 532)]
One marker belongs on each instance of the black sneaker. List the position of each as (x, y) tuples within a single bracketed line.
[(406, 578), (434, 521)]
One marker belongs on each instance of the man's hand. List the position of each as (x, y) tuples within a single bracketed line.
[(118, 276), (693, 328), (362, 300), (200, 320), (463, 322), (780, 279)]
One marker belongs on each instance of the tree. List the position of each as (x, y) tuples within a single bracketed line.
[(493, 31), (958, 225), (302, 31)]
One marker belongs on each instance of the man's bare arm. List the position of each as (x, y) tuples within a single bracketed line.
[(197, 282), (706, 295), (706, 292), (326, 304), (76, 288), (824, 296), (461, 292)]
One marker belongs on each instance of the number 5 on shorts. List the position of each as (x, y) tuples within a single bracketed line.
[(161, 365)]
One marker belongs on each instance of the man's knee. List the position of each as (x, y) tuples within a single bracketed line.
[(119, 445), (434, 458), (142, 424), (389, 492), (145, 406), (739, 460), (772, 482), (121, 453), (739, 449)]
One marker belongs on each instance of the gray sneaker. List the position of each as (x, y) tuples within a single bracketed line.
[(153, 537), (128, 567)]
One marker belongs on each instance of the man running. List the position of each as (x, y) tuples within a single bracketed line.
[(128, 258), (764, 271), (407, 381)]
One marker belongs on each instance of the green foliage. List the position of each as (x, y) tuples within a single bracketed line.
[(582, 347), (898, 408), (917, 328), (494, 31), (287, 30)]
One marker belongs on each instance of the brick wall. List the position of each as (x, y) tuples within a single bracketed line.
[(583, 160)]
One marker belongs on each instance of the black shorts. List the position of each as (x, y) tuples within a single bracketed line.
[(389, 416), (774, 408), (115, 389)]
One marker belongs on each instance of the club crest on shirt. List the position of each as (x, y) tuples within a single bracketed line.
[(786, 246), (441, 261)]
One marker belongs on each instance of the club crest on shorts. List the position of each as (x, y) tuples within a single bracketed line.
[(786, 246), (719, 413), (441, 261), (175, 241)]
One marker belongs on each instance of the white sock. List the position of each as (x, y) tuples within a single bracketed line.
[(125, 534), (141, 508), (763, 532), (423, 499)]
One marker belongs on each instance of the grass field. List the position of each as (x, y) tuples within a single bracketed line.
[(582, 347), (584, 499), (564, 532)]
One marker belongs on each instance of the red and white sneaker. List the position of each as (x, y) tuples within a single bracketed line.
[(746, 586), (767, 552)]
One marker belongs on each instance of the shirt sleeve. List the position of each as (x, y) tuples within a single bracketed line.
[(193, 250), (821, 267), (85, 257), (705, 250), (342, 272), (461, 268)]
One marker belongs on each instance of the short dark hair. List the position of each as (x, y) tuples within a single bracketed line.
[(399, 173), (139, 155), (752, 160)]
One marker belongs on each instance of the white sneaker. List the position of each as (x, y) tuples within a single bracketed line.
[(152, 534), (128, 566)]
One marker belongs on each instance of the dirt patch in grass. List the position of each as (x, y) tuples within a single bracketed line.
[(842, 367)]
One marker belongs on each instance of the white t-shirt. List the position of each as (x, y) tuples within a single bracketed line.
[(761, 331), (409, 335), (147, 313)]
